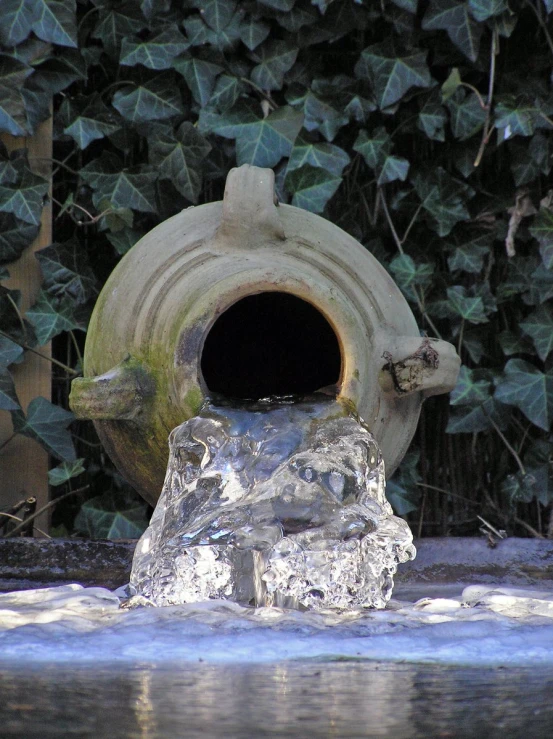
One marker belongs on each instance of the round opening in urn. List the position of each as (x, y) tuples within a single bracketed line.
[(270, 344)]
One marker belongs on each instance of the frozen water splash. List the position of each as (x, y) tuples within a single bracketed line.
[(278, 502), (485, 625)]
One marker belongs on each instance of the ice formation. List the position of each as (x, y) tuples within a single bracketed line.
[(278, 502), (485, 625)]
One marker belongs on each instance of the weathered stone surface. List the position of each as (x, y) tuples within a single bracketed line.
[(31, 563)]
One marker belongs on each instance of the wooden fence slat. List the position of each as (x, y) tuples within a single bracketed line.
[(23, 462)]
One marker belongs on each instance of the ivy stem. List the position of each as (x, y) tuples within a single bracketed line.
[(546, 118), (390, 222), (93, 219), (476, 92), (58, 163), (411, 224), (504, 440), (44, 508), (399, 245), (488, 106), (92, 444), (529, 528), (28, 348), (261, 92), (85, 16), (19, 316), (461, 332), (5, 443), (76, 345), (447, 492), (542, 25), (524, 436), (118, 82)]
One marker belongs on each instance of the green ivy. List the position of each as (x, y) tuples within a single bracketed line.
[(424, 128)]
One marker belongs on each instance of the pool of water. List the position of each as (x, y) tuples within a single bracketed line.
[(476, 663), (287, 699)]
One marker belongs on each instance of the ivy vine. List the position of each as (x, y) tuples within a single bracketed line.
[(421, 127)]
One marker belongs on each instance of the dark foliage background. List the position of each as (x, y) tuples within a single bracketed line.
[(423, 128)]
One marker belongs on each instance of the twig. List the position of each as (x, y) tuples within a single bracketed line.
[(93, 219), (529, 528), (390, 222), (504, 440), (372, 218), (499, 534), (542, 24), (550, 525), (76, 346), (460, 342), (488, 106), (7, 441), (447, 492), (18, 312), (524, 435), (58, 162), (46, 507), (411, 224), (21, 520), (421, 516), (27, 511), (546, 118), (94, 445)]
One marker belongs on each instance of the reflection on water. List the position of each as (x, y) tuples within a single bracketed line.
[(314, 699)]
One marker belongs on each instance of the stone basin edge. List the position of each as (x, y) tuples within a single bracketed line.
[(28, 563)]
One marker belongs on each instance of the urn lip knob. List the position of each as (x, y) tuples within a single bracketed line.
[(250, 216)]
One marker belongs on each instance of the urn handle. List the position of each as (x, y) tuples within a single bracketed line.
[(121, 394), (250, 210), (412, 364)]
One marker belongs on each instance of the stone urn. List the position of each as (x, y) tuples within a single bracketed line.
[(248, 298)]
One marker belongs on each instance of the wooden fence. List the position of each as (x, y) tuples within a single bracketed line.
[(23, 462)]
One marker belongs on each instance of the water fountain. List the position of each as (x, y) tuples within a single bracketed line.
[(272, 503), (279, 503)]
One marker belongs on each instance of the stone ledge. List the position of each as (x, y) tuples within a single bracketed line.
[(32, 563)]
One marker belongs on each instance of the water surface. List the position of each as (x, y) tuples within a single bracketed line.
[(293, 699)]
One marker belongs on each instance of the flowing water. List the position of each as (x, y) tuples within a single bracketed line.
[(274, 502)]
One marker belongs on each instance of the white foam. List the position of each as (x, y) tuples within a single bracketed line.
[(71, 624)]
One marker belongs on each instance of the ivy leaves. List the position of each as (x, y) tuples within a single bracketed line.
[(392, 76), (275, 59), (10, 352), (50, 20), (23, 194), (376, 151), (392, 137), (90, 120), (157, 52), (178, 157), (262, 141), (47, 424), (530, 390), (455, 18), (13, 75), (443, 198), (123, 188), (153, 100)]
